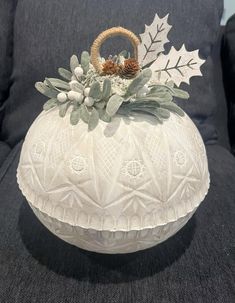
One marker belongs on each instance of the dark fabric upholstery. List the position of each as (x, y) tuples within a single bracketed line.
[(7, 9), (196, 265), (4, 151), (221, 107), (46, 33), (228, 61)]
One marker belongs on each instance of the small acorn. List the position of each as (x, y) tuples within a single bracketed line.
[(110, 67), (129, 69)]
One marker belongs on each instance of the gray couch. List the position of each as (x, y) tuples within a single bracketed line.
[(197, 264)]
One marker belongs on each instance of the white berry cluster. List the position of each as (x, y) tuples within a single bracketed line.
[(119, 85), (72, 95)]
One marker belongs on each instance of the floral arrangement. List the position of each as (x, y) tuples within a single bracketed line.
[(148, 83)]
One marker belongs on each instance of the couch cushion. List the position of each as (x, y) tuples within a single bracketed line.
[(196, 265), (46, 33), (228, 61), (7, 9), (221, 108), (4, 151)]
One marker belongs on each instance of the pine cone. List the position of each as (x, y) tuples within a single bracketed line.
[(110, 67), (129, 69)]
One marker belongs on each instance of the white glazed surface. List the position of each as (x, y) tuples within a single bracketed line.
[(125, 186)]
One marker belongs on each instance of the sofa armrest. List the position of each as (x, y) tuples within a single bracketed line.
[(7, 11), (228, 63)]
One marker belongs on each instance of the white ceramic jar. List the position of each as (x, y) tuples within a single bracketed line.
[(125, 186)]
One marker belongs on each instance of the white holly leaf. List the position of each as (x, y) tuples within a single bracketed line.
[(153, 40), (178, 66)]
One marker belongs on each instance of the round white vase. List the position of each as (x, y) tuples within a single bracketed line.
[(125, 186)]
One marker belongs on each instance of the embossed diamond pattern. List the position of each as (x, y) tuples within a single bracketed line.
[(137, 176)]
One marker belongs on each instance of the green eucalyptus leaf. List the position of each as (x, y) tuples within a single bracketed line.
[(85, 61), (179, 93), (139, 106), (104, 116), (113, 104), (158, 89), (148, 111), (45, 90), (95, 91), (161, 88), (123, 53), (77, 87), (49, 84), (139, 81), (58, 83), (170, 84), (106, 89), (94, 119), (63, 109), (163, 113), (172, 107), (147, 100), (155, 114), (50, 104), (100, 104), (64, 73), (84, 113), (140, 103), (158, 118), (74, 63), (160, 96), (75, 116), (175, 92)]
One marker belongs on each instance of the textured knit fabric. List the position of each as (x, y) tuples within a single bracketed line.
[(7, 9), (221, 108), (4, 151), (228, 56), (47, 33), (197, 265)]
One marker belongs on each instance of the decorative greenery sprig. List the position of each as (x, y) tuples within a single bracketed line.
[(93, 97)]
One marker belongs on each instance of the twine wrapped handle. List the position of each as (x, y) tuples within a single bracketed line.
[(111, 32)]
